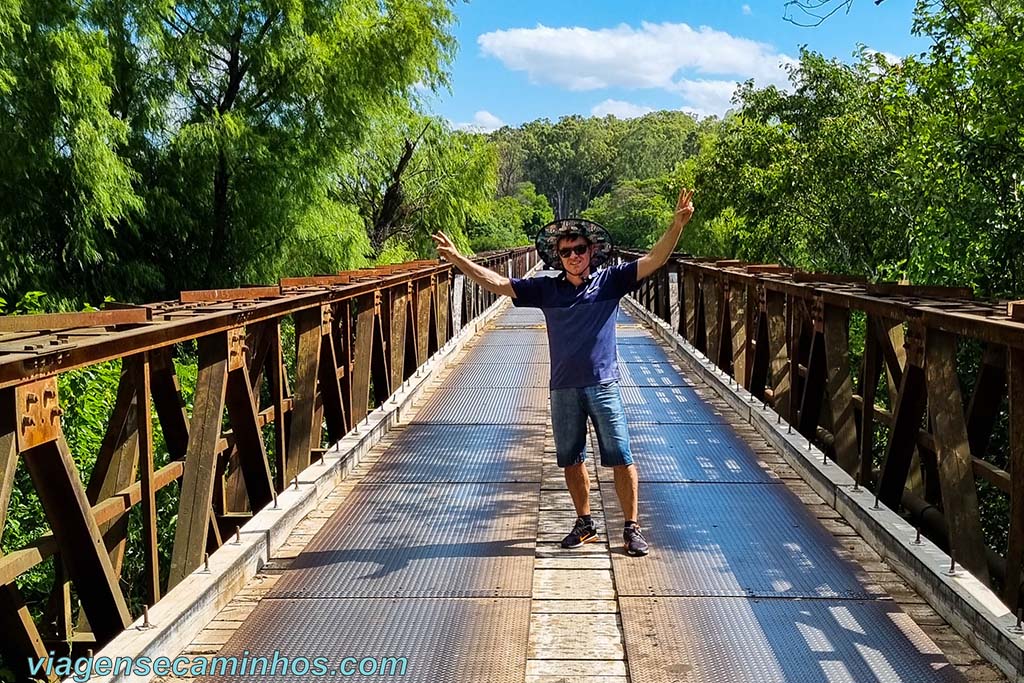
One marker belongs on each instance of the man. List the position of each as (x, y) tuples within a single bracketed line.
[(580, 307)]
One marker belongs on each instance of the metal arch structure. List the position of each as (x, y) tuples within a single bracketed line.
[(357, 336), (785, 336)]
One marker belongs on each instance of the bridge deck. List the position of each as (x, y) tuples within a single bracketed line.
[(443, 548)]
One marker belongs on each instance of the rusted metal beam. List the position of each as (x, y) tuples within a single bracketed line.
[(19, 561), (173, 324), (365, 328), (839, 389), (8, 451), (304, 433), (738, 324), (910, 407), (147, 484), (1015, 545), (199, 295), (871, 372), (329, 387), (252, 454), (70, 321), (21, 642), (1015, 310), (78, 536), (956, 475), (200, 461), (919, 291)]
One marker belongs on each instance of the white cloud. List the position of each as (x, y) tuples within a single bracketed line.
[(706, 98), (746, 10), (664, 56), (620, 109), (483, 122), (889, 57)]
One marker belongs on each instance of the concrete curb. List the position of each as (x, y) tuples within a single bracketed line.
[(971, 608), (186, 609)]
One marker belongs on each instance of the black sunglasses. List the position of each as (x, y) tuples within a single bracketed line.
[(579, 250)]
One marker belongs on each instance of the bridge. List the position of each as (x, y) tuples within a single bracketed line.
[(365, 475)]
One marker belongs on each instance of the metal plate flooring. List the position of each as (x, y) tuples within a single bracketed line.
[(678, 405), (431, 453), (486, 405), (694, 453), (431, 556), (487, 375), (445, 640), (719, 640), (746, 540), (652, 375)]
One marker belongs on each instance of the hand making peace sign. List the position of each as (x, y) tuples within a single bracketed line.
[(684, 208), (445, 247)]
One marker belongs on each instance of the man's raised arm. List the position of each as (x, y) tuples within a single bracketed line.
[(659, 253), (485, 277)]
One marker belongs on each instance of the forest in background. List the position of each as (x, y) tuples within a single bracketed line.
[(151, 147), (908, 170)]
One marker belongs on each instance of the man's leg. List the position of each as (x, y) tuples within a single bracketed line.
[(626, 489), (604, 404), (578, 481), (569, 424)]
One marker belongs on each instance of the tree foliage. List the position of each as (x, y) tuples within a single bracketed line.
[(414, 176), (155, 145)]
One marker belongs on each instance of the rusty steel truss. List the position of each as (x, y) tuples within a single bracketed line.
[(785, 335), (357, 336)]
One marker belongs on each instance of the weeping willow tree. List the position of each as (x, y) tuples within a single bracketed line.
[(152, 145)]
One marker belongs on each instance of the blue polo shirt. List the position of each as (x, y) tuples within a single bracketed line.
[(580, 322)]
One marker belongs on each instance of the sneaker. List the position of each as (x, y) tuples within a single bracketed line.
[(634, 541), (582, 532)]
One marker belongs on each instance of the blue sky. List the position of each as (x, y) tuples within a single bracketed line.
[(519, 60)]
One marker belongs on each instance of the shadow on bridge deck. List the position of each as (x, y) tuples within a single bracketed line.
[(435, 554)]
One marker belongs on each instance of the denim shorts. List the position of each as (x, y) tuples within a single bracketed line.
[(602, 403)]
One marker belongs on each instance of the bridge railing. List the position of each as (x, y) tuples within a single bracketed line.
[(888, 407), (348, 341)]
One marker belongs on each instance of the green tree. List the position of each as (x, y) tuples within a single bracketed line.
[(651, 146), (510, 221), (275, 95), (413, 176), (64, 182), (155, 146), (964, 159), (635, 212), (570, 162)]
